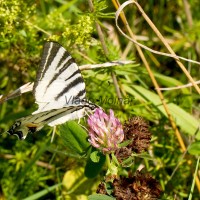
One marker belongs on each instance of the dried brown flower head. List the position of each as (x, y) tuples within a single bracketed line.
[(101, 189), (136, 129), (141, 186), (123, 153), (145, 186)]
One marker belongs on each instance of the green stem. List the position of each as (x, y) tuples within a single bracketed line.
[(108, 161), (193, 183)]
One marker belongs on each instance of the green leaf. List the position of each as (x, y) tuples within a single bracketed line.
[(74, 137), (143, 155), (125, 143), (77, 186), (28, 167), (95, 157), (92, 169), (43, 192), (100, 197), (63, 8), (183, 119), (194, 148)]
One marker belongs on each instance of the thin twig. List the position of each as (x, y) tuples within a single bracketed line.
[(105, 65), (188, 12), (39, 163), (38, 28), (28, 87), (105, 49), (172, 53), (121, 13), (190, 23), (146, 64), (178, 87), (85, 57)]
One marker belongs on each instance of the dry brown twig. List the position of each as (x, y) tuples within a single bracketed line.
[(173, 55), (103, 43), (38, 162), (178, 87)]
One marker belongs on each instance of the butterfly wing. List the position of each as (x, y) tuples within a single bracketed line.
[(58, 81), (35, 122)]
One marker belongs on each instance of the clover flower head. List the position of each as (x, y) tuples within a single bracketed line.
[(105, 131)]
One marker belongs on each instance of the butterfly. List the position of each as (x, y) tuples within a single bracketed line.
[(59, 91)]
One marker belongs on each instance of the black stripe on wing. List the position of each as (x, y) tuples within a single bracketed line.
[(45, 117), (62, 112), (50, 49), (67, 111), (73, 84), (49, 53), (81, 94), (35, 122), (75, 73), (69, 62), (65, 56), (49, 116)]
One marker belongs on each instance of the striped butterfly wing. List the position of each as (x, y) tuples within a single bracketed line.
[(35, 122), (58, 83), (59, 80)]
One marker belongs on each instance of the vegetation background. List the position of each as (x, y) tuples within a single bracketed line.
[(38, 169)]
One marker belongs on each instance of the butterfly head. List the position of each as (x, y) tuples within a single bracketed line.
[(21, 130), (90, 106), (93, 106)]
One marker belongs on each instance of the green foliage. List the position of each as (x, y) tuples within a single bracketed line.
[(100, 197), (194, 148), (13, 15), (80, 33), (94, 164), (34, 168), (74, 138)]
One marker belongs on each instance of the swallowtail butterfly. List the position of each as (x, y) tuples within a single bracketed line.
[(59, 91)]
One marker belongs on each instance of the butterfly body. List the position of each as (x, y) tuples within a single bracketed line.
[(58, 83)]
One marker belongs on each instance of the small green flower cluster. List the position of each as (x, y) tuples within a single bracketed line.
[(12, 15), (80, 33)]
